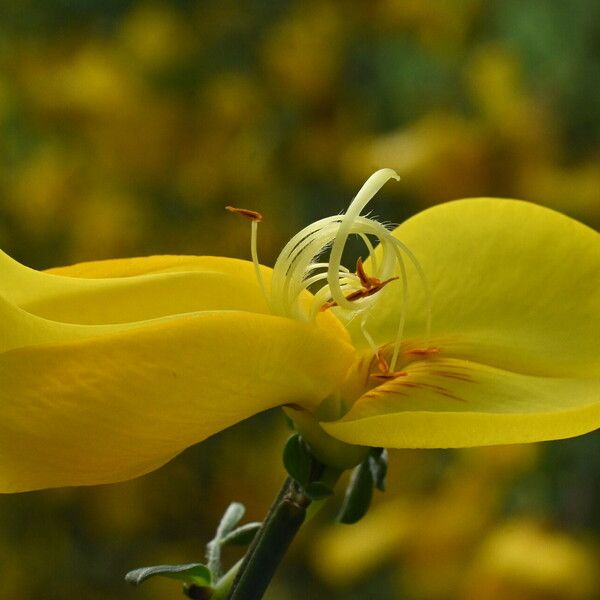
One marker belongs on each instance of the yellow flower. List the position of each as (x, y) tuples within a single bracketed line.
[(484, 332)]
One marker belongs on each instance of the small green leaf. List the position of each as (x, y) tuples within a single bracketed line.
[(193, 573), (233, 515), (358, 495), (317, 490), (298, 460), (241, 536), (378, 463)]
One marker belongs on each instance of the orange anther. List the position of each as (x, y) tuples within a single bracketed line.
[(385, 369), (362, 293), (383, 365), (386, 376), (423, 351), (373, 289), (379, 285), (245, 212), (367, 281), (327, 305)]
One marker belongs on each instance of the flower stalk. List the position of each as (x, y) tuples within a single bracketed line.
[(264, 555)]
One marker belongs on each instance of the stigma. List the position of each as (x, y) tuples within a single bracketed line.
[(312, 260)]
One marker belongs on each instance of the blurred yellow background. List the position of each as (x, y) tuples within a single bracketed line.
[(127, 126)]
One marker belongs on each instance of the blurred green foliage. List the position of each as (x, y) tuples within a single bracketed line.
[(125, 127)]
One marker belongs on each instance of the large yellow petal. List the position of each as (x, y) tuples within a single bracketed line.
[(125, 290), (516, 309), (514, 285), (19, 328), (456, 403), (137, 289), (119, 404)]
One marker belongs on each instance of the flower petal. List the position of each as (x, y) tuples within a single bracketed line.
[(444, 403), (118, 405), (125, 290), (514, 285)]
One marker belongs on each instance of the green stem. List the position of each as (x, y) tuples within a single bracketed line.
[(271, 542), (224, 584)]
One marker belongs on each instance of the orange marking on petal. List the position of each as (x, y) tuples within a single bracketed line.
[(459, 376), (410, 384), (253, 215), (423, 385), (447, 394), (380, 391), (437, 389)]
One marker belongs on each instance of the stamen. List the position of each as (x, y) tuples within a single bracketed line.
[(255, 218)]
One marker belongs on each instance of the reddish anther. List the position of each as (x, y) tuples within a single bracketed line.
[(385, 372), (367, 281), (423, 351), (252, 215), (327, 305), (386, 376), (363, 293)]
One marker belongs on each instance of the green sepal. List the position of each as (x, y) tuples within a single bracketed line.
[(317, 490), (241, 536), (358, 495), (297, 459), (193, 573), (378, 463)]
